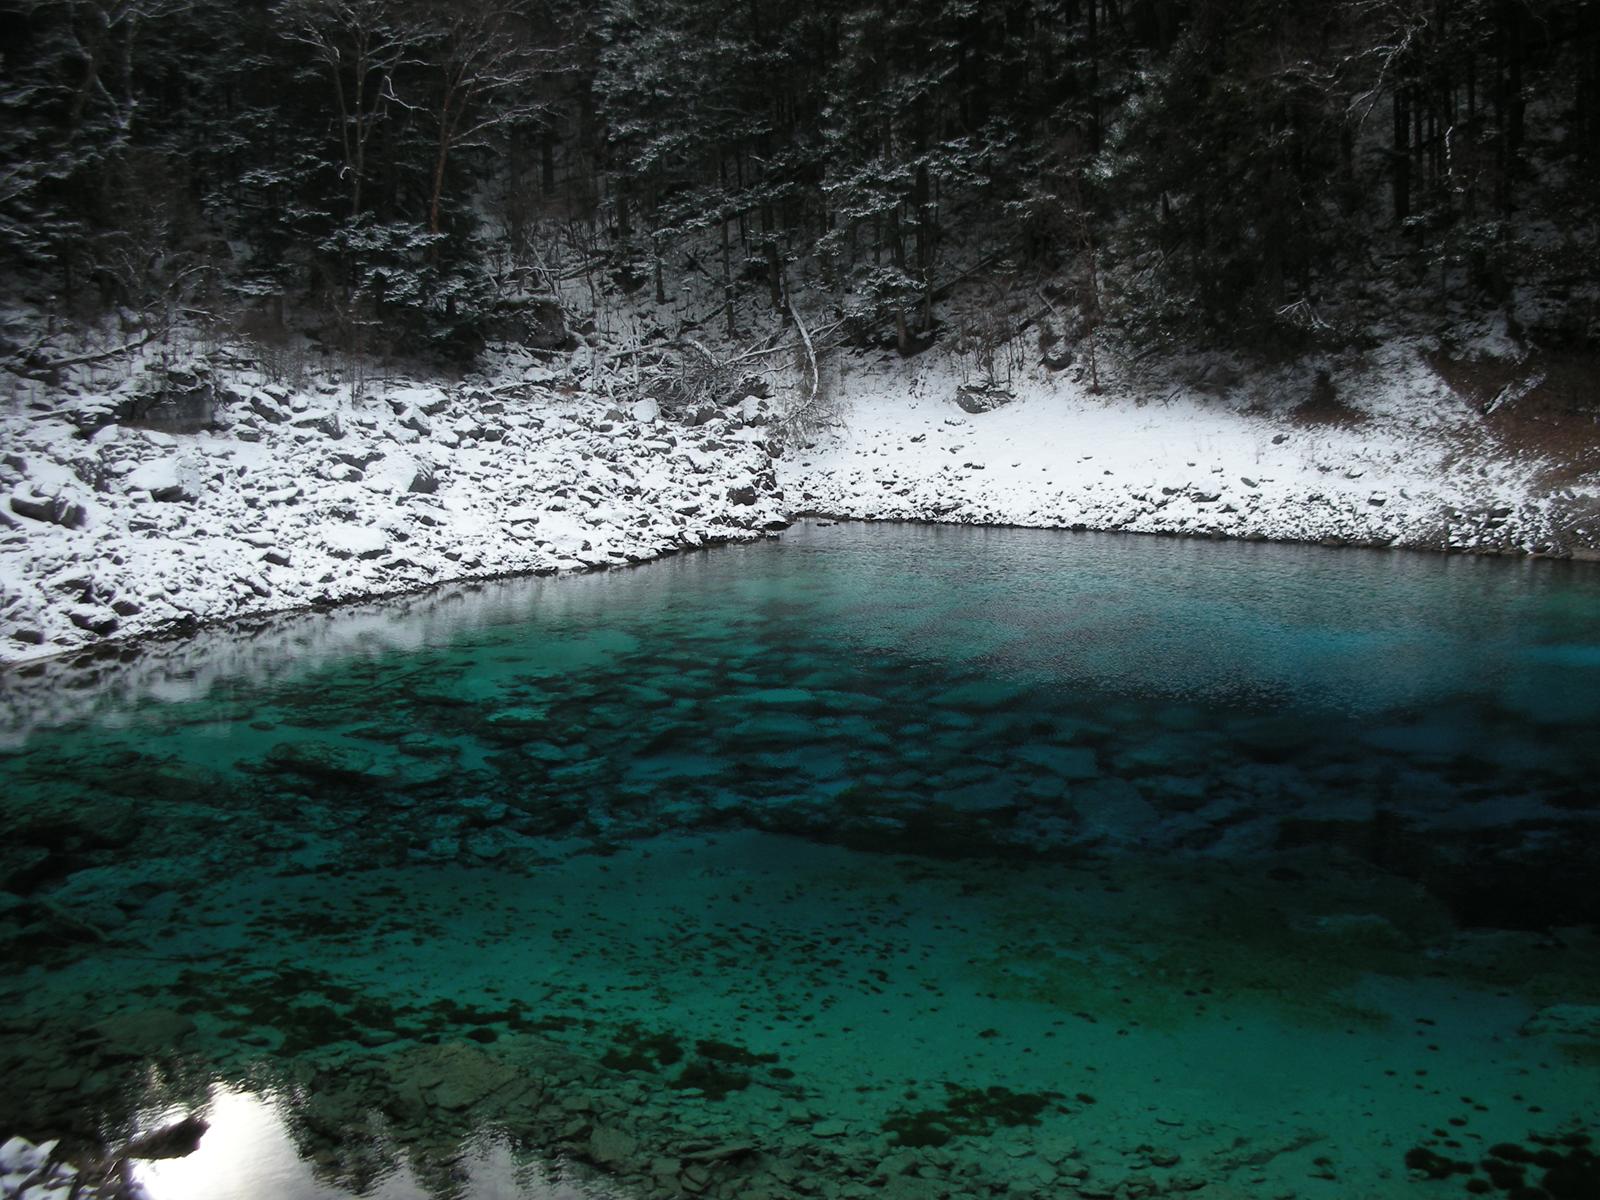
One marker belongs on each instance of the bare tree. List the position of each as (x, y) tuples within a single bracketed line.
[(104, 34), (361, 43), (484, 67)]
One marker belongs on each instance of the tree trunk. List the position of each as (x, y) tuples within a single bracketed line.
[(1400, 156), (775, 276), (727, 280)]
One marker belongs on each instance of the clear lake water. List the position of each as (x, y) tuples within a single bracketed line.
[(871, 860)]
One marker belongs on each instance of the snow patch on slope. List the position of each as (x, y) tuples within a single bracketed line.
[(1191, 463)]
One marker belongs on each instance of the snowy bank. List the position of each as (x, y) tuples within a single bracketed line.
[(1407, 463), (284, 499)]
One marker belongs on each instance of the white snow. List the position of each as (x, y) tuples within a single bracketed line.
[(1187, 463), (356, 497), (316, 495)]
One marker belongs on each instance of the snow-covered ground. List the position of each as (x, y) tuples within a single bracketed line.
[(1412, 467), (293, 497)]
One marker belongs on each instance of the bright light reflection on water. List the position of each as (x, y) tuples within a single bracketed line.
[(248, 1154)]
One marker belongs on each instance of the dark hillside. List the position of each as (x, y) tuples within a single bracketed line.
[(1268, 175)]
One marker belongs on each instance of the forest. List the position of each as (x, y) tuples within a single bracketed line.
[(1261, 175)]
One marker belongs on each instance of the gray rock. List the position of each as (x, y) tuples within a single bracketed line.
[(267, 409), (99, 622), (175, 1141), (52, 510), (612, 1147), (180, 402), (140, 1034), (324, 423), (981, 398)]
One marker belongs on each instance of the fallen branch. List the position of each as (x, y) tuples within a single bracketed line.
[(1513, 391), (26, 368)]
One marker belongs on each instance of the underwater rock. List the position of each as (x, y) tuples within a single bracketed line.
[(455, 1077), (1572, 1022), (153, 1031), (1067, 762), (612, 1147), (23, 868), (174, 1141), (323, 763)]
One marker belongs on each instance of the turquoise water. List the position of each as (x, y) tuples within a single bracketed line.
[(885, 860)]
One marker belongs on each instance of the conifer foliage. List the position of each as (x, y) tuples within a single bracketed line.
[(1248, 171)]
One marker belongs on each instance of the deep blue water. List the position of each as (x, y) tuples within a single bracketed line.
[(872, 860)]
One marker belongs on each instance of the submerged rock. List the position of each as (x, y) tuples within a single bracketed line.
[(1568, 1022), (174, 1141), (149, 1033), (325, 763)]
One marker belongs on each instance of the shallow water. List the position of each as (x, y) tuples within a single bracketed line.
[(874, 860)]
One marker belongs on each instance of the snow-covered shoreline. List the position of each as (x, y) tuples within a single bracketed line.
[(1414, 472), (298, 499), (290, 499)]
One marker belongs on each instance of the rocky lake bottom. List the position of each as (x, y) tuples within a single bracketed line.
[(871, 861)]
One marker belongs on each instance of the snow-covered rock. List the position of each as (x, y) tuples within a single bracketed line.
[(313, 496), (295, 497)]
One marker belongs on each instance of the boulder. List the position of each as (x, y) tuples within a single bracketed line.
[(538, 322), (52, 510), (173, 401), (326, 424), (265, 407), (98, 621), (612, 1147), (981, 398), (175, 1141)]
